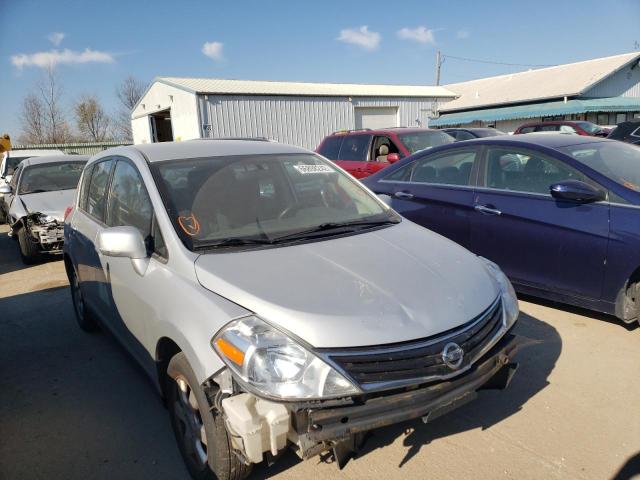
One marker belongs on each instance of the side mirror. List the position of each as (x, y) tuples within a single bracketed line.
[(5, 190), (576, 191), (124, 242), (393, 157)]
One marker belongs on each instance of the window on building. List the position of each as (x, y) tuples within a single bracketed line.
[(602, 119)]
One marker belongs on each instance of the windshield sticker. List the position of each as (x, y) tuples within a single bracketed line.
[(304, 169), (189, 224)]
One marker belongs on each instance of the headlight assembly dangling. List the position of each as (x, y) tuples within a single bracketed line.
[(275, 365), (508, 294), (44, 219)]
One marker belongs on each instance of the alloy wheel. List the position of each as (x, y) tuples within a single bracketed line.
[(190, 425)]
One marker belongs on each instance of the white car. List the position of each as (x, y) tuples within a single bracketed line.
[(36, 198), (276, 302), (8, 164)]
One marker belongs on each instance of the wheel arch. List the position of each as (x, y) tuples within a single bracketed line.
[(166, 349), (627, 304)]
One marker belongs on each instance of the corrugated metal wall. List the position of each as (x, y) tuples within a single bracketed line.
[(302, 121), (624, 83)]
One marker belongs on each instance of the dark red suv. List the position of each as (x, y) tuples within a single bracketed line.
[(576, 127), (364, 152)]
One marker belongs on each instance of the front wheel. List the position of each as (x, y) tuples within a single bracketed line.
[(29, 251), (200, 431)]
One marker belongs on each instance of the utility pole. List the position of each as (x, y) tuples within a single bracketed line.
[(438, 65)]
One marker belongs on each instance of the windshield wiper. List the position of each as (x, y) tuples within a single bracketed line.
[(324, 227), (40, 190), (234, 242)]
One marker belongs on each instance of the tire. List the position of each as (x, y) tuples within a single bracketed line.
[(193, 420), (83, 316), (29, 251)]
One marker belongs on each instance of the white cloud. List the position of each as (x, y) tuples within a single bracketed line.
[(56, 38), (419, 34), (62, 57), (462, 34), (361, 37), (213, 50)]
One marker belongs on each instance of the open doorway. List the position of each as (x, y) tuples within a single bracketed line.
[(161, 128)]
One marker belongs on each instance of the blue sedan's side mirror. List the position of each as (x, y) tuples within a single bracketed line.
[(577, 191)]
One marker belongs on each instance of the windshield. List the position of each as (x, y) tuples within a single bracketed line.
[(589, 127), (216, 202), (11, 165), (618, 161), (417, 141), (49, 177)]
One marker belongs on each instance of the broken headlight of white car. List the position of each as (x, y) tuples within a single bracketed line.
[(274, 365)]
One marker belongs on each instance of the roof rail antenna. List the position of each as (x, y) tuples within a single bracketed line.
[(350, 131), (251, 139)]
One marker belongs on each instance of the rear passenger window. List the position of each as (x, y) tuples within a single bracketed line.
[(447, 169), (330, 148), (527, 129), (525, 171), (97, 194), (129, 203), (355, 147), (549, 128)]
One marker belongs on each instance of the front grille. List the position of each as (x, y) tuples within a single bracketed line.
[(406, 361)]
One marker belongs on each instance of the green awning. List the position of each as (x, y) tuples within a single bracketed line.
[(549, 109)]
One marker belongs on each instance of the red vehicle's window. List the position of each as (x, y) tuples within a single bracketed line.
[(355, 147), (331, 147)]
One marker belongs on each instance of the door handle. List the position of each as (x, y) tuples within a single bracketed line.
[(403, 195), (487, 210)]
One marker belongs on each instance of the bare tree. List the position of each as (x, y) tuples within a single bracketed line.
[(43, 119), (128, 92), (33, 120), (57, 127), (92, 121)]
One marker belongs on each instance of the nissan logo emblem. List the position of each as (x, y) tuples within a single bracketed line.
[(452, 355)]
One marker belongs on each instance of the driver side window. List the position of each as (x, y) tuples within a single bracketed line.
[(525, 171)]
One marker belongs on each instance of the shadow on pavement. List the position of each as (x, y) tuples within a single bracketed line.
[(10, 257), (491, 407), (73, 404), (630, 470), (603, 317)]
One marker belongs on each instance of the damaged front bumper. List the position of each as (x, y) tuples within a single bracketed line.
[(314, 427), (48, 235)]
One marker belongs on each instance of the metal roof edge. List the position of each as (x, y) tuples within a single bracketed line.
[(605, 77)]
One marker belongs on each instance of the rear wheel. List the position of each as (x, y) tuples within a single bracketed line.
[(199, 429), (83, 316), (29, 251)]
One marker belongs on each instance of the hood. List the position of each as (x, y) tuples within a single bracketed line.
[(392, 285), (49, 203)]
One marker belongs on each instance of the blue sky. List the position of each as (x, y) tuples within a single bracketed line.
[(97, 44)]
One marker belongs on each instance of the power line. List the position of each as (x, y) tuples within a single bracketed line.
[(495, 63)]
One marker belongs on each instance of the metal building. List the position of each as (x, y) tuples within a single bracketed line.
[(290, 112), (605, 91)]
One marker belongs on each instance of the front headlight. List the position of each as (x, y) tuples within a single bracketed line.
[(509, 299), (42, 219), (276, 366)]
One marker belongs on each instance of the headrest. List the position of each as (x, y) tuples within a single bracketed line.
[(383, 150)]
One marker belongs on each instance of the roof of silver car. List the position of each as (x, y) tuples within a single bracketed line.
[(156, 152), (54, 159)]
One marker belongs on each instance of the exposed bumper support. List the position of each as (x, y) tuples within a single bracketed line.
[(333, 425)]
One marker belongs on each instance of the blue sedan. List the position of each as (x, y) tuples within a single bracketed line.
[(559, 213)]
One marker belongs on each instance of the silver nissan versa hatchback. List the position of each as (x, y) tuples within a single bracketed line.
[(276, 302)]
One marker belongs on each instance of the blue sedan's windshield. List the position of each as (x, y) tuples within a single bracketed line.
[(616, 160)]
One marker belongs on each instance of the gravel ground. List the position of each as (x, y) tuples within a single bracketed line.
[(74, 406)]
